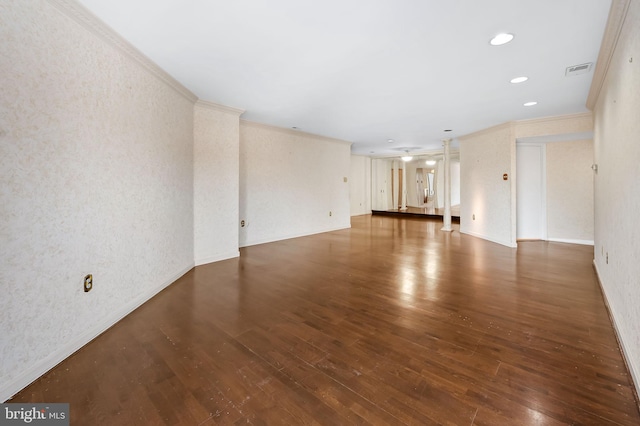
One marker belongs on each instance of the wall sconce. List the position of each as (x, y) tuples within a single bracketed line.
[(594, 167)]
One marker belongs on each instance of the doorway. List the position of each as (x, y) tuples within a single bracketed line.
[(531, 205)]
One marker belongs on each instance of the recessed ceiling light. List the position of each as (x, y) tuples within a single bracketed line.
[(519, 79), (501, 39), (532, 103), (390, 141), (447, 130)]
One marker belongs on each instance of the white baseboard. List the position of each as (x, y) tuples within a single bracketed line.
[(25, 378), (635, 375), (570, 241), (287, 237), (493, 240), (217, 258)]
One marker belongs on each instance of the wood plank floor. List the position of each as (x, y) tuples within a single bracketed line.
[(391, 322)]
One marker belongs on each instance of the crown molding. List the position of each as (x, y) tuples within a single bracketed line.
[(509, 125), (218, 107), (617, 16), (513, 125), (588, 115), (270, 127), (455, 152), (89, 21)]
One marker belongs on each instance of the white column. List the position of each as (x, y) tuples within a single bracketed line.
[(404, 186), (396, 186), (447, 186)]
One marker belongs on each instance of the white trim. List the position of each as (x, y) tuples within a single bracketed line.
[(488, 130), (218, 107), (634, 375), (543, 196), (559, 138), (90, 22), (617, 15), (26, 377), (551, 119), (294, 132), (571, 241), (216, 258), (290, 236), (493, 240)]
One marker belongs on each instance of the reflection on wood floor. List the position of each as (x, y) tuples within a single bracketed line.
[(390, 322)]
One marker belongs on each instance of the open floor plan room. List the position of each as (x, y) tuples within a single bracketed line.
[(389, 322)]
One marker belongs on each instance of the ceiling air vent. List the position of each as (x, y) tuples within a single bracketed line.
[(578, 69)]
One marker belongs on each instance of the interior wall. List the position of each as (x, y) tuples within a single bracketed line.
[(360, 185), (617, 194), (291, 183), (570, 191), (484, 158), (216, 186), (96, 164), (496, 201)]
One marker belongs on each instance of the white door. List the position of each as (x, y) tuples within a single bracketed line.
[(531, 216)]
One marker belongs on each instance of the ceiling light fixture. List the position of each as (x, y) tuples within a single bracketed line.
[(532, 103), (407, 157), (519, 80), (500, 39), (430, 162), (390, 141)]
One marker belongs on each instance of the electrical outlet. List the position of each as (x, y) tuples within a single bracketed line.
[(242, 223), (88, 283), (473, 217), (607, 258), (330, 213)]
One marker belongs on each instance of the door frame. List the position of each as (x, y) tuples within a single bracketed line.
[(542, 174)]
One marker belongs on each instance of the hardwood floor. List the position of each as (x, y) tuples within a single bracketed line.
[(391, 322)]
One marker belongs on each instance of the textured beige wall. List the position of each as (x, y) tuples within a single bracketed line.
[(484, 158), (96, 172), (617, 192), (289, 182), (491, 152), (216, 171), (570, 191)]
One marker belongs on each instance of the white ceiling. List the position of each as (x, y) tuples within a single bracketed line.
[(367, 71)]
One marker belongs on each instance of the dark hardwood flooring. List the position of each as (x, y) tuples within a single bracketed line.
[(391, 322)]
